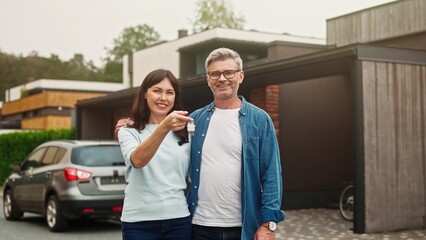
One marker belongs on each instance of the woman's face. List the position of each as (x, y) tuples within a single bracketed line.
[(160, 98)]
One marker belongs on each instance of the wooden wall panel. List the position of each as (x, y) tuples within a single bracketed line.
[(394, 118), (47, 122), (391, 20), (69, 99)]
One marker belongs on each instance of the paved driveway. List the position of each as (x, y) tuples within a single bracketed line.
[(327, 224)]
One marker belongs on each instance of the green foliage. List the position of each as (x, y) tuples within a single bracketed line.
[(14, 147), (112, 71), (24, 92), (212, 14), (131, 39)]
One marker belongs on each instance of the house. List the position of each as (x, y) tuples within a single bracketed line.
[(353, 109), (49, 103)]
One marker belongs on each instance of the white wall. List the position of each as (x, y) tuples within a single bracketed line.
[(126, 76)]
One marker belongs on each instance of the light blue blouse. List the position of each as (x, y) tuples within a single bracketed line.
[(156, 191)]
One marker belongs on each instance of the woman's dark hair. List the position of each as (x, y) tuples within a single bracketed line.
[(140, 109)]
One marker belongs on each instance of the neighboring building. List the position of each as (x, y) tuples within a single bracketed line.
[(185, 56), (48, 103), (352, 111)]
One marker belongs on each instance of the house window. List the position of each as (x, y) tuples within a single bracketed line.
[(36, 112), (249, 57), (200, 60)]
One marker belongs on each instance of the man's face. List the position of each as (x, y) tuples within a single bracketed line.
[(224, 79)]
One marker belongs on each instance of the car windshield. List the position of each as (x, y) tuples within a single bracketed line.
[(98, 156)]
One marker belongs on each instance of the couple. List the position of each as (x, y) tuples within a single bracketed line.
[(233, 161)]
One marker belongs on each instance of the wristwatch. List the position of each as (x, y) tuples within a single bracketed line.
[(272, 226)]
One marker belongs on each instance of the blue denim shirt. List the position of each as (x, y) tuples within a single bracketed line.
[(261, 181)]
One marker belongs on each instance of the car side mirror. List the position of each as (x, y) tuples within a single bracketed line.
[(16, 168)]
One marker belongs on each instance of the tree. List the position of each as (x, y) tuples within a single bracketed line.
[(111, 72), (215, 13), (131, 39)]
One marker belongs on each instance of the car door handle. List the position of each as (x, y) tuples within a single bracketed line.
[(30, 173)]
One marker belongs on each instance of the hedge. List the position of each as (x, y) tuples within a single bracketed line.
[(14, 147)]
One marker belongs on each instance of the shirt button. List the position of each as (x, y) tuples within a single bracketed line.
[(193, 204), (208, 119), (195, 187), (202, 134), (197, 169), (199, 152)]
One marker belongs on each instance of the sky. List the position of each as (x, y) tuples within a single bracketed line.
[(67, 27)]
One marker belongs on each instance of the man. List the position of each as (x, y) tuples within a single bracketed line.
[(236, 181)]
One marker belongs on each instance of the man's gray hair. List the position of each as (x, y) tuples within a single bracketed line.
[(221, 54)]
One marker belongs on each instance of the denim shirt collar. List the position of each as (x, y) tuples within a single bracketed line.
[(243, 108)]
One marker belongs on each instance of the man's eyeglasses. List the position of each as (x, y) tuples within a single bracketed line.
[(228, 74)]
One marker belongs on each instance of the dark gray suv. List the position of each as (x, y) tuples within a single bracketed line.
[(65, 180)]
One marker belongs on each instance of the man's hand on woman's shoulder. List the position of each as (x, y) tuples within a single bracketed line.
[(124, 122)]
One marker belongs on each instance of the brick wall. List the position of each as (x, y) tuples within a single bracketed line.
[(267, 98)]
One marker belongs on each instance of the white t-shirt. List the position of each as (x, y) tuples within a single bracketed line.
[(219, 194)]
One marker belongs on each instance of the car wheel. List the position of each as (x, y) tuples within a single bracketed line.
[(55, 220), (9, 209)]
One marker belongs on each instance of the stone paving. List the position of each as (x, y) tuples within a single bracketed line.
[(327, 224)]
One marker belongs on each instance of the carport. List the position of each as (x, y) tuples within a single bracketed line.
[(353, 113)]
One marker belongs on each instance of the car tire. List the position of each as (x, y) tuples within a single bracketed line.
[(54, 218), (10, 210)]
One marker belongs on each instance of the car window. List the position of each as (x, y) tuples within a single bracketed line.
[(59, 155), (49, 157), (34, 160), (100, 155)]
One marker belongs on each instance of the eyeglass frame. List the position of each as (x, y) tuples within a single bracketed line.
[(234, 71)]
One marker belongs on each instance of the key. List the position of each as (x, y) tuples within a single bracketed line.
[(191, 128)]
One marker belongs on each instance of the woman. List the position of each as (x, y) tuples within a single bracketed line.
[(156, 152)]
